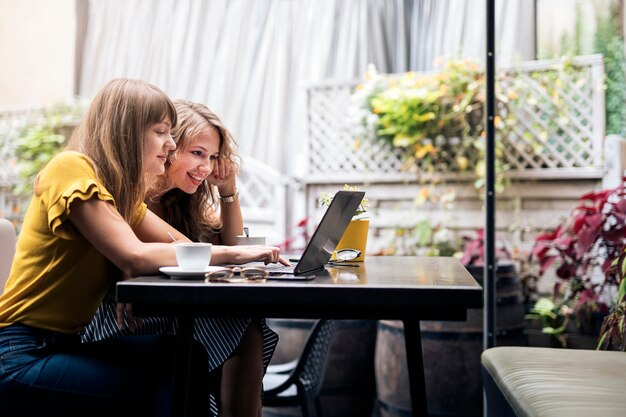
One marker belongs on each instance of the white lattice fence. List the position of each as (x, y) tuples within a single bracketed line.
[(553, 137), (332, 147), (561, 129)]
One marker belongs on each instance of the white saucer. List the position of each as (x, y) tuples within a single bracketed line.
[(176, 272)]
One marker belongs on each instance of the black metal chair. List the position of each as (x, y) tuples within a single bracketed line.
[(298, 383)]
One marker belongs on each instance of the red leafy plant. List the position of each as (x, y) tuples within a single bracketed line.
[(581, 250), (298, 240), (474, 250)]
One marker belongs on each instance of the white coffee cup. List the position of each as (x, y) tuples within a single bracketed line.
[(250, 240), (193, 255)]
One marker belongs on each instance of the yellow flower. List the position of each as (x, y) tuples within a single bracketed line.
[(463, 162), (424, 117), (400, 141), (422, 151)]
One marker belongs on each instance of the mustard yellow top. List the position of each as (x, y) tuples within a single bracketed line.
[(58, 279)]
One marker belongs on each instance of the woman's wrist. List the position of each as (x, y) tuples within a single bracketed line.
[(228, 188), (226, 191), (221, 254), (228, 196)]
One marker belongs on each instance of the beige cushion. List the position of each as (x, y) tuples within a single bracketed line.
[(547, 382), (7, 250)]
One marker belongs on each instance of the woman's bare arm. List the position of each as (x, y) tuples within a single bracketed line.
[(101, 224), (224, 177)]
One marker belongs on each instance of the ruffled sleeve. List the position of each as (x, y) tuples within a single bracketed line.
[(68, 177), (138, 215)]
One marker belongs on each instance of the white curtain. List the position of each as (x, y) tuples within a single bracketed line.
[(248, 60)]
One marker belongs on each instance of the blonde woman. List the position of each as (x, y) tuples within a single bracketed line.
[(86, 227)]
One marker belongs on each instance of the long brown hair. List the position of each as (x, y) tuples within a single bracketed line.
[(112, 134), (195, 214)]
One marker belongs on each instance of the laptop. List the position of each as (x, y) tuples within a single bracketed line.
[(326, 236)]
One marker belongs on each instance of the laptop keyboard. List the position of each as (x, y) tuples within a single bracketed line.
[(279, 268)]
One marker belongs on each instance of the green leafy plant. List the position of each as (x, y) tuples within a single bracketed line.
[(608, 40), (610, 43), (426, 237), (41, 139), (325, 199), (554, 318), (613, 331), (435, 118), (422, 239)]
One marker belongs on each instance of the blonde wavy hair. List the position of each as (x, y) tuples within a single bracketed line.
[(112, 135), (195, 214)]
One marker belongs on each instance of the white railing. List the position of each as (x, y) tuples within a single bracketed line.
[(263, 199)]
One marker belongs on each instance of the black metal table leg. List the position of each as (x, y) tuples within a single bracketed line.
[(182, 367), (415, 362)]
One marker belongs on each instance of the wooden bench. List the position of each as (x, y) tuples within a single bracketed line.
[(549, 382)]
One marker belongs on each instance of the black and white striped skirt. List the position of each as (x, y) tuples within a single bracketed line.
[(219, 336)]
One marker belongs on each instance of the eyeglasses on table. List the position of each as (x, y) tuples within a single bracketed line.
[(237, 274)]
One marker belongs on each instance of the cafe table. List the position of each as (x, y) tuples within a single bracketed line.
[(406, 288)]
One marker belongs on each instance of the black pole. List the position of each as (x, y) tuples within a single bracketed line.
[(489, 293)]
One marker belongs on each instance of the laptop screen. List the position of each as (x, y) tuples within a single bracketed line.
[(329, 231)]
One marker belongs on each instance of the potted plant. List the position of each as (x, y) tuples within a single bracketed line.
[(580, 251), (355, 236)]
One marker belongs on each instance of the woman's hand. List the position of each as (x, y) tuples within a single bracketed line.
[(247, 253), (224, 176), (125, 318)]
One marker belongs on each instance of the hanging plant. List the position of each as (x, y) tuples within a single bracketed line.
[(436, 118)]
